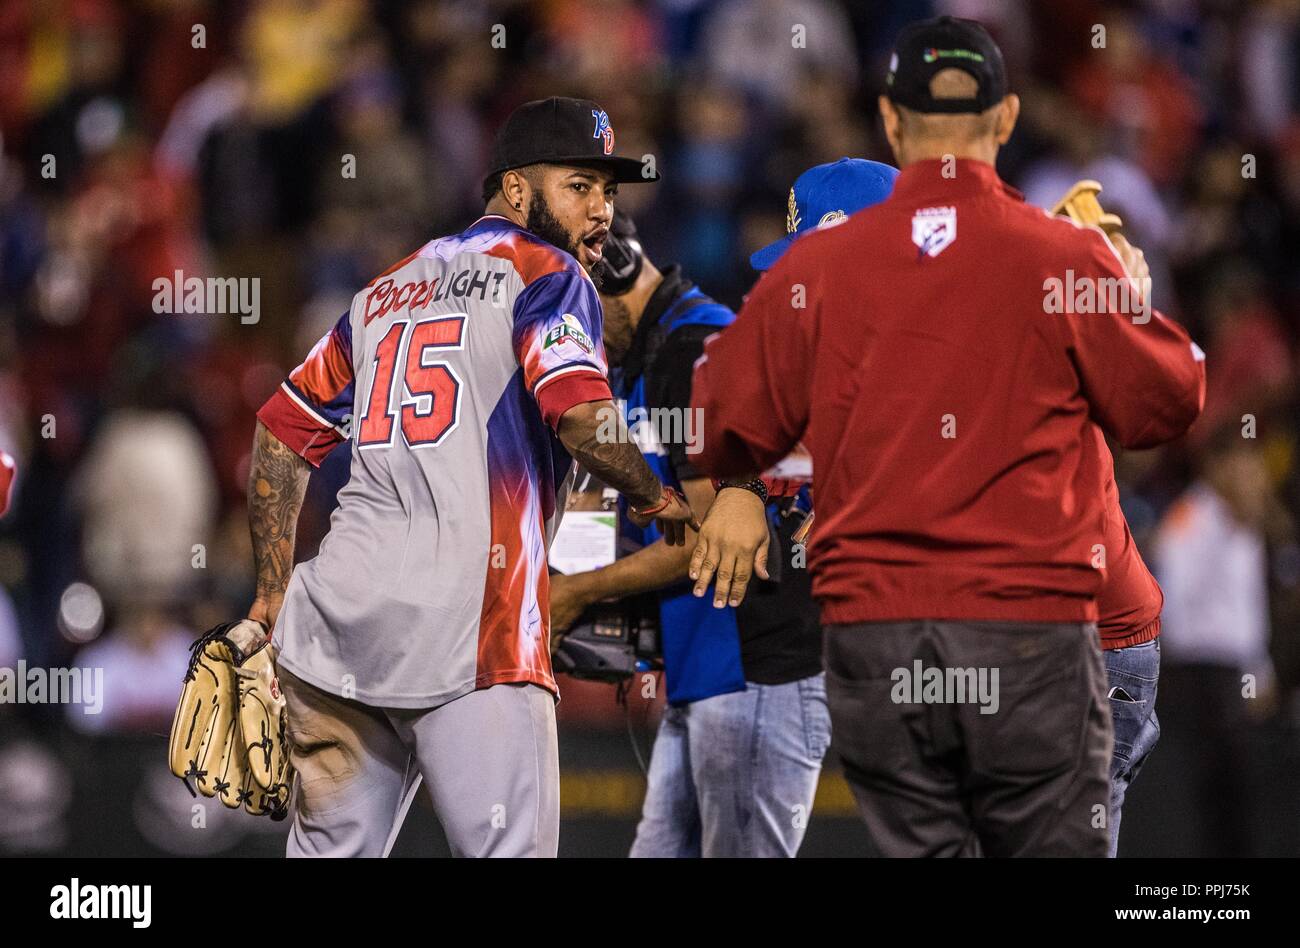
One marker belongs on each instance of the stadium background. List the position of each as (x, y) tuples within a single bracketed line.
[(132, 429)]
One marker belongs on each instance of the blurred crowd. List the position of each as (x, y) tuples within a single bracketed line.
[(311, 143)]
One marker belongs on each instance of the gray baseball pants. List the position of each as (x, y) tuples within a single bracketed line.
[(490, 759)]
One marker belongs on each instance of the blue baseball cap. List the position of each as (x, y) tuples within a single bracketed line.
[(824, 195)]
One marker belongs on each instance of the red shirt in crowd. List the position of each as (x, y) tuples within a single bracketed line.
[(948, 410), (6, 480)]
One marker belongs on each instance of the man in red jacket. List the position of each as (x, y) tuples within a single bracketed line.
[(947, 387)]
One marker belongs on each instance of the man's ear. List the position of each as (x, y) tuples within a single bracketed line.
[(1008, 113), (516, 188), (890, 117)]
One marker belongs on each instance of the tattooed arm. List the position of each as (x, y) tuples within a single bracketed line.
[(277, 481), (584, 430)]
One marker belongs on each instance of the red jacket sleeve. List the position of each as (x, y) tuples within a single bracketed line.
[(1142, 375), (753, 382)]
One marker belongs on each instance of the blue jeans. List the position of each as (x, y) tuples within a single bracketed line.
[(1133, 675), (735, 775)]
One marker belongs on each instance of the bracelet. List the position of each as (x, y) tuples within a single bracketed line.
[(666, 497), (755, 485)]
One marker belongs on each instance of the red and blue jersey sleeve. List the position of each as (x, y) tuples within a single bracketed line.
[(310, 410), (557, 340)]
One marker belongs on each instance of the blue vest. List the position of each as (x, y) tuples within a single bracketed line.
[(701, 644)]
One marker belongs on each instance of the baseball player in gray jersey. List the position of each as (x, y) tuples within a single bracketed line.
[(466, 379)]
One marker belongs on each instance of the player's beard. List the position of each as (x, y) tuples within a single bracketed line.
[(544, 224)]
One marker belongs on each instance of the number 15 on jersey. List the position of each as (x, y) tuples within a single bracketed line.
[(429, 388)]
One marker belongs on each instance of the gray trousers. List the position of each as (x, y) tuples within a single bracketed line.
[(490, 759), (941, 765)]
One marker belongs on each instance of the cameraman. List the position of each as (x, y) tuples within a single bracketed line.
[(740, 746)]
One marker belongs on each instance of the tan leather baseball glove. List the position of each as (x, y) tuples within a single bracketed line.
[(228, 736)]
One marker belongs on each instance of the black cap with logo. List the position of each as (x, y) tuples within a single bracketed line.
[(562, 131), (925, 48)]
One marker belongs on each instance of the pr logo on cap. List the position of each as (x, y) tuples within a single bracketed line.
[(603, 128)]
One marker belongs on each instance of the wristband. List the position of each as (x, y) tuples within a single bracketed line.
[(754, 485), (666, 497)]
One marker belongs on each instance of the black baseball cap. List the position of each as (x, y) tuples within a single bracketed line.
[(946, 42), (562, 131)]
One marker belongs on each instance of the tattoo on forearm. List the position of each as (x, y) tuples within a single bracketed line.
[(277, 482), (622, 467), (619, 463)]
